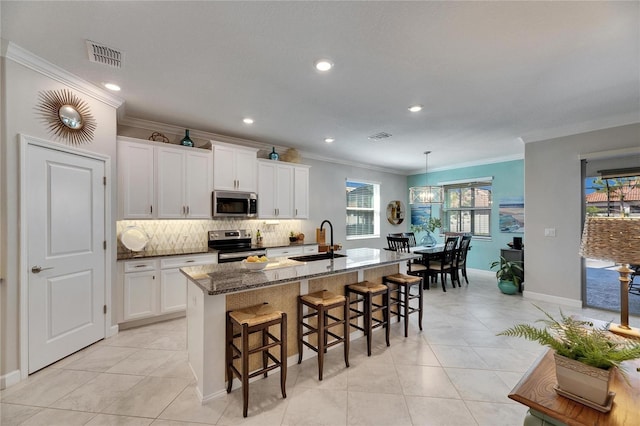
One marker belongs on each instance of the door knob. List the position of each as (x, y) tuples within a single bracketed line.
[(37, 269)]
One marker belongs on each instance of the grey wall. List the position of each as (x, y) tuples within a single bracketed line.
[(21, 86), (327, 200), (553, 188)]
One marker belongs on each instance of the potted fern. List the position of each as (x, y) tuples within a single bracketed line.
[(585, 355), (508, 275)]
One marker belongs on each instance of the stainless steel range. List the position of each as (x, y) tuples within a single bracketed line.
[(234, 245)]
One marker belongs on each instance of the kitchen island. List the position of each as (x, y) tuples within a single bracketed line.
[(214, 289)]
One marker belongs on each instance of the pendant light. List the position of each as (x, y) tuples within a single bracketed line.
[(426, 194)]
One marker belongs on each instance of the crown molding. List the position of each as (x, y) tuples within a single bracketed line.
[(351, 163), (155, 126), (504, 159), (584, 127), (27, 59)]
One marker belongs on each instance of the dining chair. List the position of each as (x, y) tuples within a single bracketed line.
[(461, 258), (412, 238), (634, 288), (401, 286), (401, 244), (446, 263)]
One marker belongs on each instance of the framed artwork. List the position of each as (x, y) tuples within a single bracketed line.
[(511, 211), (420, 213)]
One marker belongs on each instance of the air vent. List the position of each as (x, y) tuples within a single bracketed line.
[(380, 136), (104, 55)]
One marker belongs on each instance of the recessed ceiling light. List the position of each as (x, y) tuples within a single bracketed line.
[(329, 140), (247, 120), (415, 108), (324, 65), (112, 86)]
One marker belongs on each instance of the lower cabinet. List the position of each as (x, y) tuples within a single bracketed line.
[(292, 251), (154, 287)]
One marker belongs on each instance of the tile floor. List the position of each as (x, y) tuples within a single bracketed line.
[(455, 372)]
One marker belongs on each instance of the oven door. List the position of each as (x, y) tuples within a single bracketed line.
[(234, 204)]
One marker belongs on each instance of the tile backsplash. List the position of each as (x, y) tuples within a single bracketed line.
[(185, 234)]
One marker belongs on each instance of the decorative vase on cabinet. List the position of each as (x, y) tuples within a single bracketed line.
[(274, 155), (186, 141)]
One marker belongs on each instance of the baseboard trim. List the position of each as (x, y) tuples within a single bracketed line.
[(10, 379), (552, 299), (113, 330)]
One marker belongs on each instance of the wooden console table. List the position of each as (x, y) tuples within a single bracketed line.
[(535, 390)]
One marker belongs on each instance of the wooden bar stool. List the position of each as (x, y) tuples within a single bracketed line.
[(364, 292), (251, 320), (401, 297), (320, 303)]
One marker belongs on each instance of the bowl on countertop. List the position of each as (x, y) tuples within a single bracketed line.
[(254, 266)]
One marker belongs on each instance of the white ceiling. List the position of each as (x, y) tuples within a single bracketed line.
[(490, 74)]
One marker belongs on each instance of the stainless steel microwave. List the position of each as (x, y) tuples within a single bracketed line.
[(234, 204)]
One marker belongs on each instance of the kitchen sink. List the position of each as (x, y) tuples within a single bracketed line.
[(319, 256)]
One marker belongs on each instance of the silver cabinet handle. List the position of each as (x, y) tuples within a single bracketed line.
[(140, 266), (37, 269), (188, 210), (189, 261)]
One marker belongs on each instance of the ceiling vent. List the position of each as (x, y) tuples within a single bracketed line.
[(106, 55), (380, 136)]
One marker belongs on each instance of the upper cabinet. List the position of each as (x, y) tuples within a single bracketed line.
[(234, 167), (184, 178), (301, 192), (163, 182), (283, 190), (136, 193)]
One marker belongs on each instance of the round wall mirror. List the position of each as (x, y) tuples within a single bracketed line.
[(70, 117), (66, 116), (395, 212)]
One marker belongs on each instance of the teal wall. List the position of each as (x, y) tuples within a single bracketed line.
[(508, 181)]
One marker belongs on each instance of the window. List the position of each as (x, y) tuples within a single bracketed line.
[(363, 209), (467, 208)]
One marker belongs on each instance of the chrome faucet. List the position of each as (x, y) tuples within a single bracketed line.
[(331, 234)]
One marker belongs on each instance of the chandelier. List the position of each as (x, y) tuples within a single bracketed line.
[(426, 194)]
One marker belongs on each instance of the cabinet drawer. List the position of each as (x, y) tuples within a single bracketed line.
[(182, 261), (140, 265), (310, 249), (284, 252)]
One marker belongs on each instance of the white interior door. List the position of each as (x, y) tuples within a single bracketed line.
[(65, 210)]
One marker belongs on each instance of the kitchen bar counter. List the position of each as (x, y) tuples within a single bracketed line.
[(129, 255), (132, 255), (233, 277), (214, 289)]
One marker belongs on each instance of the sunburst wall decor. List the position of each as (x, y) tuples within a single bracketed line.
[(66, 116)]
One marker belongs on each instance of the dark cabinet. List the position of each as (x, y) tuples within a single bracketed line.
[(512, 255)]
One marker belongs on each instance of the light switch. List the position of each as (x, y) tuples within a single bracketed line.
[(549, 232)]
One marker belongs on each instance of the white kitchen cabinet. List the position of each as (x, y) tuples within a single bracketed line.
[(310, 249), (156, 181), (275, 190), (171, 182), (234, 167), (140, 289), (136, 194), (184, 183), (284, 252), (173, 293), (301, 192), (292, 251), (154, 287)]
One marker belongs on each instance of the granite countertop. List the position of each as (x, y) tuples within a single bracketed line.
[(233, 277), (129, 255)]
